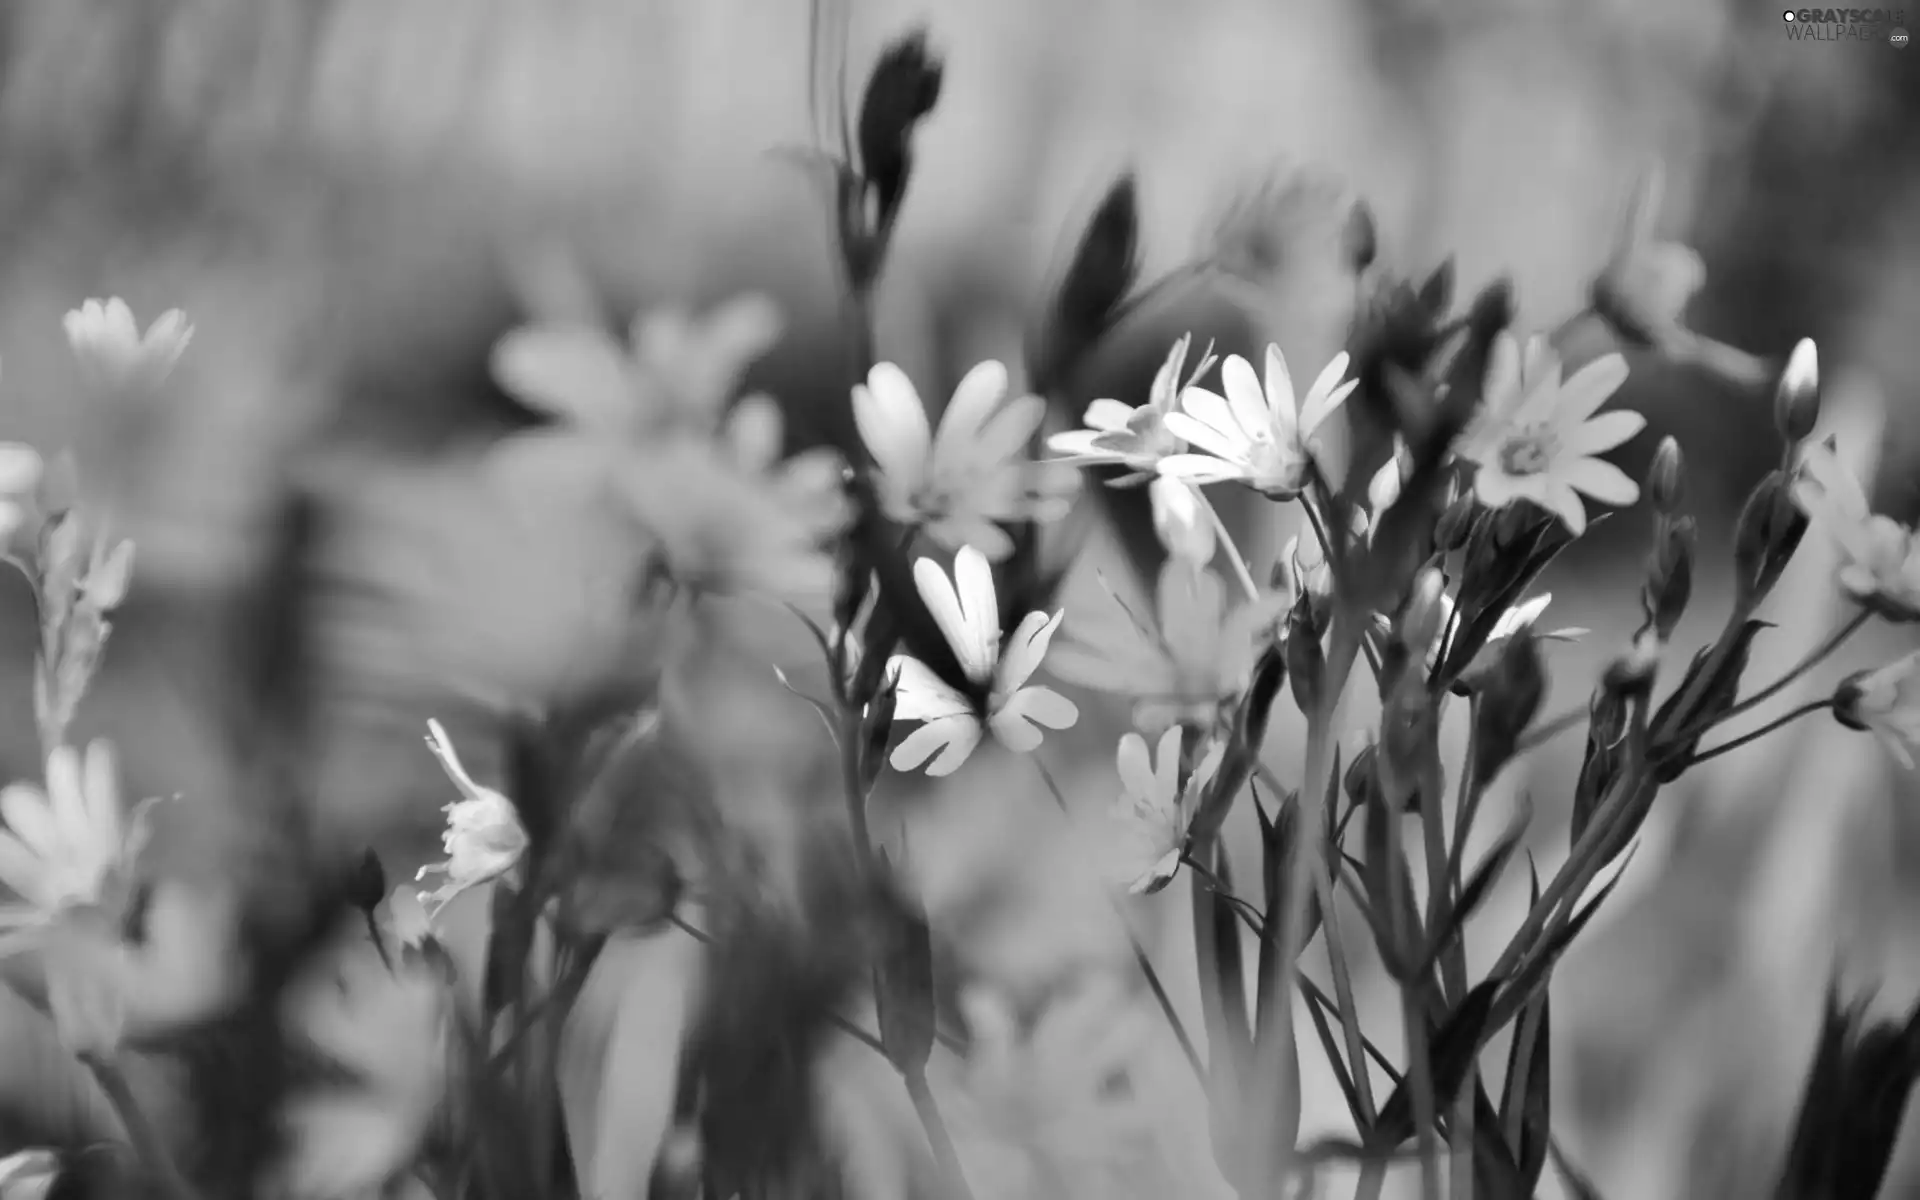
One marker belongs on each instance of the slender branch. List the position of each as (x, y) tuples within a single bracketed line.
[(1790, 717), (938, 1137), (1234, 556)]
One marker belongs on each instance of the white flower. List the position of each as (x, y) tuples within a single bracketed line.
[(66, 847), (112, 351), (1189, 664), (960, 484), (1262, 438), (1155, 808), (1119, 434), (20, 471), (1537, 436), (1180, 518), (28, 1174), (484, 838), (1886, 702), (968, 614), (674, 368), (1881, 566)]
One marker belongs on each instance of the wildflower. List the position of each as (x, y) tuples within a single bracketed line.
[(113, 353), (1536, 437), (29, 1174), (67, 847), (674, 369), (968, 614), (484, 838), (1156, 808), (1384, 488), (958, 484), (20, 472), (1118, 434), (1179, 517), (1885, 702), (734, 518), (1186, 666), (1882, 557), (1260, 437)]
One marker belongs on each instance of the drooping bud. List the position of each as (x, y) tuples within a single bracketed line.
[(1667, 478), (1104, 268), (1847, 699), (1419, 622), (1184, 527), (1769, 531), (1510, 698), (1796, 402), (904, 87)]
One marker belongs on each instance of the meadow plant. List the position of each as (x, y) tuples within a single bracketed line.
[(652, 1012)]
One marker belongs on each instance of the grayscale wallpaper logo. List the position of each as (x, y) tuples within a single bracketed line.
[(1847, 25)]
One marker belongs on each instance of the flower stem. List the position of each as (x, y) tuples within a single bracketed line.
[(1233, 551), (140, 1132), (1545, 731), (1725, 747), (1812, 659)]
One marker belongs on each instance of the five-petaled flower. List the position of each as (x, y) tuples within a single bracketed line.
[(113, 353), (484, 838), (1184, 667), (1262, 437), (1885, 701), (1118, 434), (960, 484), (1537, 436), (1881, 567), (968, 614), (66, 847), (1156, 806)]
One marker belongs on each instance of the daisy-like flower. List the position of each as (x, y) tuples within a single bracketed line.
[(484, 838), (968, 614), (20, 471), (960, 484), (1118, 434), (673, 368), (1186, 666), (67, 847), (1180, 518), (735, 518), (1262, 437), (1885, 702), (113, 353), (1155, 808), (1538, 436), (1881, 567)]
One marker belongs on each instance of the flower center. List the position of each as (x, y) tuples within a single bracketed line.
[(1528, 453)]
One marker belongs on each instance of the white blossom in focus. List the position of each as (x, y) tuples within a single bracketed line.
[(1156, 807), (1261, 436), (484, 838), (1118, 434)]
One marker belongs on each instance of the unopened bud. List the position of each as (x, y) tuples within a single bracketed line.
[(1847, 698), (877, 727), (1104, 268), (1667, 478), (1362, 780), (1510, 697), (1669, 582), (1769, 531), (1796, 403), (1634, 670), (1306, 661), (904, 87), (1360, 239), (1419, 622), (1184, 527)]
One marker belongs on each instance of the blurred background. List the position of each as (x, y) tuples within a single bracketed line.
[(353, 199)]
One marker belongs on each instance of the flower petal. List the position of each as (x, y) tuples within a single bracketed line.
[(948, 741), (1600, 479), (1564, 502), (973, 586), (1254, 411), (1602, 433), (1282, 403), (893, 424), (922, 695), (979, 392), (30, 816), (1202, 468), (1135, 768), (23, 871), (1582, 395), (1110, 416), (1207, 421), (575, 372), (1026, 648), (1017, 722), (1327, 393), (1166, 766)]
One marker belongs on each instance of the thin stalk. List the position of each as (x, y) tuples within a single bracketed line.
[(1226, 541), (1332, 556), (1346, 1005), (1420, 1084), (1727, 747), (1461, 1157), (1812, 659), (1140, 958), (944, 1155), (1434, 840), (145, 1140)]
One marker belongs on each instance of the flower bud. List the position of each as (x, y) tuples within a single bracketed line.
[(1769, 531), (1419, 622), (1667, 478), (1848, 700), (876, 722), (1796, 403), (1360, 239), (1669, 580), (1510, 698), (1178, 517), (1104, 268), (904, 87), (1362, 780), (1306, 661)]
